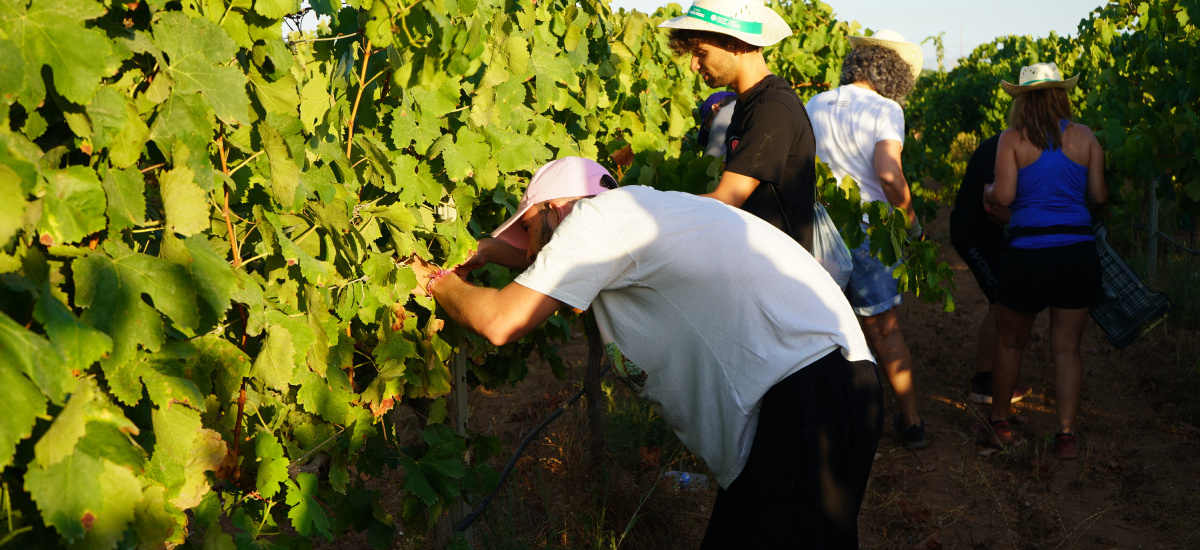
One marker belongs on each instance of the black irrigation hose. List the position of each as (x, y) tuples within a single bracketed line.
[(1168, 238), (512, 462)]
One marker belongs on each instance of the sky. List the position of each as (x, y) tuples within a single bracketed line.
[(967, 23)]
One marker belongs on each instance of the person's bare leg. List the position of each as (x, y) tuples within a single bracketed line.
[(987, 341), (892, 353), (1012, 333), (1066, 334)]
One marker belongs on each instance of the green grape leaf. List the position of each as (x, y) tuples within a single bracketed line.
[(183, 451), (214, 277), (111, 288), (52, 32), (163, 374), (438, 102), (306, 514), (89, 501), (74, 206), (71, 424), (12, 64), (516, 152), (157, 522), (514, 53), (469, 150), (272, 466), (315, 101), (81, 345), (125, 191), (184, 203), (285, 176), (12, 204), (417, 184), (185, 120), (275, 364), (104, 440), (549, 65), (195, 49), (417, 128), (23, 401), (327, 397), (314, 271), (276, 9), (280, 97), (117, 126), (36, 357)]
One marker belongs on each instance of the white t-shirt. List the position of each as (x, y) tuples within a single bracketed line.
[(848, 121), (713, 306)]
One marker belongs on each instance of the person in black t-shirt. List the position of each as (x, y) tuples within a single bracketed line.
[(978, 237), (770, 139)]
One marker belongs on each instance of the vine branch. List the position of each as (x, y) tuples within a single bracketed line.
[(362, 78)]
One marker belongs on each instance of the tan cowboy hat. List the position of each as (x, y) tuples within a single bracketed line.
[(1038, 76), (909, 52), (750, 21)]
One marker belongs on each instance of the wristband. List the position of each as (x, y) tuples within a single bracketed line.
[(435, 276), (915, 230)]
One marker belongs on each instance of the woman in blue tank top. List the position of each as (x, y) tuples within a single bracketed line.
[(1048, 170)]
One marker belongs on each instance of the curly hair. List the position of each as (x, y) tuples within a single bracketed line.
[(883, 68), (686, 41), (1036, 115)]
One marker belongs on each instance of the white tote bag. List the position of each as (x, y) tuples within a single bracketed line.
[(828, 247)]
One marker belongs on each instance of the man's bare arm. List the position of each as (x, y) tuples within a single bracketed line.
[(733, 189), (500, 315)]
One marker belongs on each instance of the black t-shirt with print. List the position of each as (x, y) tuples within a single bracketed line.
[(771, 140)]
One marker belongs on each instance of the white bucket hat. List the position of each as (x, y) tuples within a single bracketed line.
[(1038, 76), (892, 40), (750, 21)]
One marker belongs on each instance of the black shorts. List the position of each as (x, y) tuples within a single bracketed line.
[(982, 248), (1065, 277)]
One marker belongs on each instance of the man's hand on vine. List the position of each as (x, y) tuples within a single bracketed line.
[(426, 273)]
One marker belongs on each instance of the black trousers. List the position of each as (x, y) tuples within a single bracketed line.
[(804, 481)]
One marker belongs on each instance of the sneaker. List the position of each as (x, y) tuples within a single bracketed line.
[(912, 436), (981, 392), (994, 434), (1065, 446)]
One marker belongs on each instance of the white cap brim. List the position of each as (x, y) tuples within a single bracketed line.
[(774, 28)]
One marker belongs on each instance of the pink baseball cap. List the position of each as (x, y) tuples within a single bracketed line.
[(557, 179)]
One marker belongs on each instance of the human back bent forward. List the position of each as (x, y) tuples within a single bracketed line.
[(779, 398)]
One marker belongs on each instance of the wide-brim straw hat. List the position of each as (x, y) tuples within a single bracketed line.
[(909, 52), (1037, 77), (750, 21)]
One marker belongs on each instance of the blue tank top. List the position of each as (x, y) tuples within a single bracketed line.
[(1051, 191)]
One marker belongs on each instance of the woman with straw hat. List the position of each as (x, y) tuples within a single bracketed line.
[(1047, 170), (860, 133)]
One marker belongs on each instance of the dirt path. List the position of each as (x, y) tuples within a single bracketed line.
[(1133, 486)]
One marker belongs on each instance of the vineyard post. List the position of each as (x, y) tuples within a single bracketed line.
[(462, 509)]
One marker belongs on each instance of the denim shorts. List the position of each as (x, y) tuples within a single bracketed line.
[(872, 288)]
